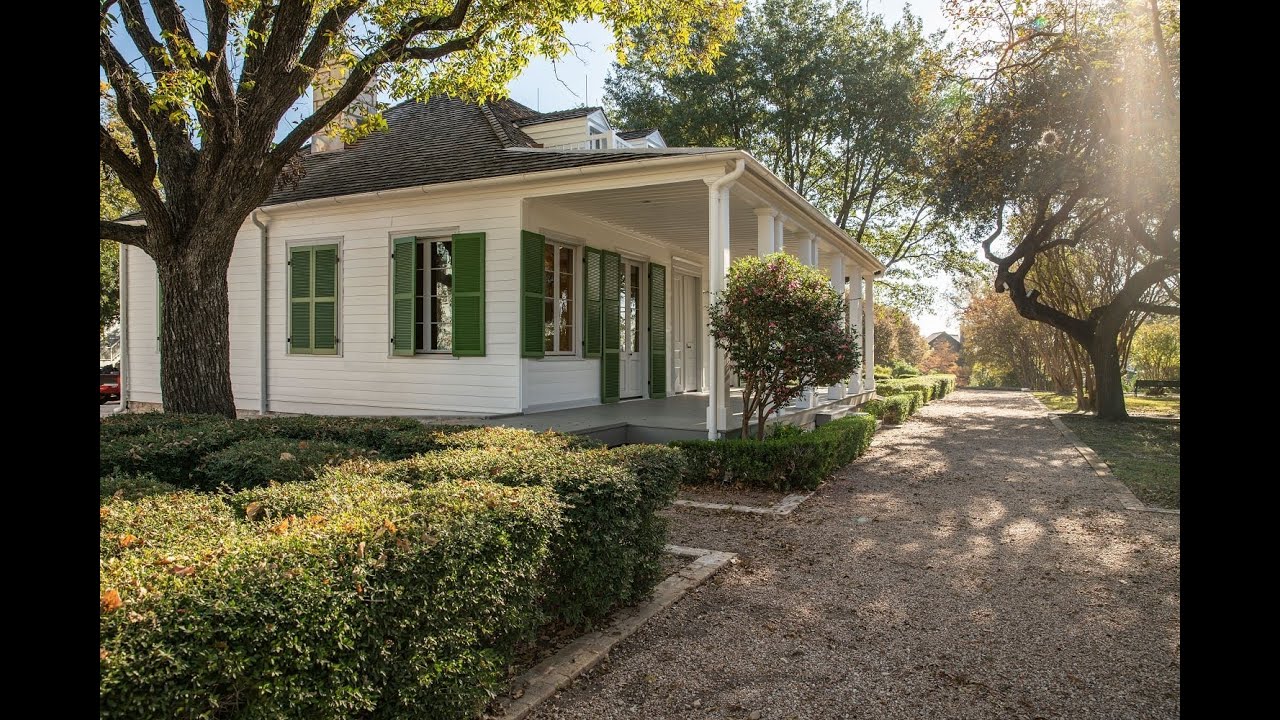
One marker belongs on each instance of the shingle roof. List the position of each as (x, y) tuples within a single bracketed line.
[(442, 140), (934, 336), (633, 134), (557, 115)]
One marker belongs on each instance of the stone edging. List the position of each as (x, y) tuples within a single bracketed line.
[(1124, 495), (558, 671), (785, 506)]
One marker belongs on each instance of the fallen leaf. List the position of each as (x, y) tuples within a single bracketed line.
[(280, 527), (253, 510), (402, 544), (129, 540), (184, 571), (286, 456), (111, 601), (102, 653), (390, 526)]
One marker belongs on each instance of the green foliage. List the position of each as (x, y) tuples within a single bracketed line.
[(607, 549), (896, 408), (873, 407), (883, 373), (132, 487), (898, 338), (780, 324), (856, 159), (902, 368), (787, 461), (257, 462), (386, 600), (172, 451), (1156, 350)]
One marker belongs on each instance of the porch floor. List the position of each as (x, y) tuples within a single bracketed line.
[(679, 417)]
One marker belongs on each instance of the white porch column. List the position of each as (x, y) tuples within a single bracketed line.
[(765, 225), (808, 254), (718, 267), (869, 327), (855, 319), (836, 391), (779, 232)]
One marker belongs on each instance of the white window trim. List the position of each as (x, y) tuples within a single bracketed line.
[(339, 296), (574, 342), (431, 232), (425, 241)]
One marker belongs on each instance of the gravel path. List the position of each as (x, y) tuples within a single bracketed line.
[(971, 565)]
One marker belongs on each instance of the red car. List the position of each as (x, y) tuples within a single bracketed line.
[(108, 384)]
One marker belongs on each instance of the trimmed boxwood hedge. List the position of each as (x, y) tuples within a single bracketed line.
[(608, 549), (787, 461), (383, 600), (896, 408), (257, 462), (902, 397)]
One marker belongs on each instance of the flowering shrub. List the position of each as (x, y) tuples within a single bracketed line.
[(782, 327)]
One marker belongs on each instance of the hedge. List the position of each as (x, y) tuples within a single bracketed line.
[(181, 449), (895, 409), (382, 601), (608, 549), (783, 462), (257, 462)]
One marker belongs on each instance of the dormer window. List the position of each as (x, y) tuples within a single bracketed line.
[(598, 138)]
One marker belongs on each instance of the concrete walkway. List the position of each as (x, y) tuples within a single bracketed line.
[(971, 565)]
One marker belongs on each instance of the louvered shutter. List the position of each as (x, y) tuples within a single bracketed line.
[(610, 362), (468, 295), (324, 300), (592, 334), (300, 300), (404, 261), (657, 331), (531, 328)]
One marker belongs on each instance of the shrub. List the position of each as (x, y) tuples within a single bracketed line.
[(874, 408), (132, 424), (254, 463), (924, 388), (131, 487), (917, 400), (896, 408), (391, 437), (786, 462), (172, 450), (388, 600), (607, 546), (902, 368), (882, 373)]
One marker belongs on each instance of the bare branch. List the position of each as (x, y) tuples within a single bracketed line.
[(135, 23), (134, 235), (986, 244), (1158, 309)]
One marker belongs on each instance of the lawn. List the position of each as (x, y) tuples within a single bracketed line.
[(1143, 454), (1166, 406)]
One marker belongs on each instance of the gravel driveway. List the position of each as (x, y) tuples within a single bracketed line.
[(971, 565)]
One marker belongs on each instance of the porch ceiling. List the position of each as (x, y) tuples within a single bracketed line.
[(673, 213)]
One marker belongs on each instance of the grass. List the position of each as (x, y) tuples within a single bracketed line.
[(1164, 406), (1143, 454)]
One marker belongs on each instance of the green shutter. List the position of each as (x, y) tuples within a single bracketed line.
[(591, 320), (300, 300), (610, 362), (468, 295), (324, 299), (531, 248), (403, 262), (657, 331)]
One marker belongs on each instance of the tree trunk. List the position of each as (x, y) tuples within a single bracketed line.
[(195, 351), (1108, 390)]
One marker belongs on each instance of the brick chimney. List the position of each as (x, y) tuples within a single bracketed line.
[(327, 82)]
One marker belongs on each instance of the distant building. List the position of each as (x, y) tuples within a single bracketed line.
[(939, 339)]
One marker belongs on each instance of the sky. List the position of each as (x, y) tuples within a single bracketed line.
[(578, 80)]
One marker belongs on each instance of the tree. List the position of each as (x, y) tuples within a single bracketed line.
[(848, 142), (782, 327), (898, 338), (1071, 139), (1156, 350), (113, 201), (202, 116), (941, 359)]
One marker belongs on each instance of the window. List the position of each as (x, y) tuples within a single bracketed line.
[(557, 299), (433, 296), (313, 300)]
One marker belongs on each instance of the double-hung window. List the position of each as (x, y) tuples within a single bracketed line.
[(433, 296), (558, 307)]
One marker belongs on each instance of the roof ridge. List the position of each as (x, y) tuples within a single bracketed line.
[(505, 140)]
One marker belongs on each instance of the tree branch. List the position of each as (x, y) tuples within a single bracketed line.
[(1158, 309), (133, 176), (135, 235), (135, 23)]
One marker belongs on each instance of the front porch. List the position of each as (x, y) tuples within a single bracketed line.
[(679, 417)]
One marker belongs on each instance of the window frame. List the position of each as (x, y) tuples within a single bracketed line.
[(337, 242), (575, 342), (424, 243)]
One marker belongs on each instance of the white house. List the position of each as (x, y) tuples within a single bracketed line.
[(490, 260)]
